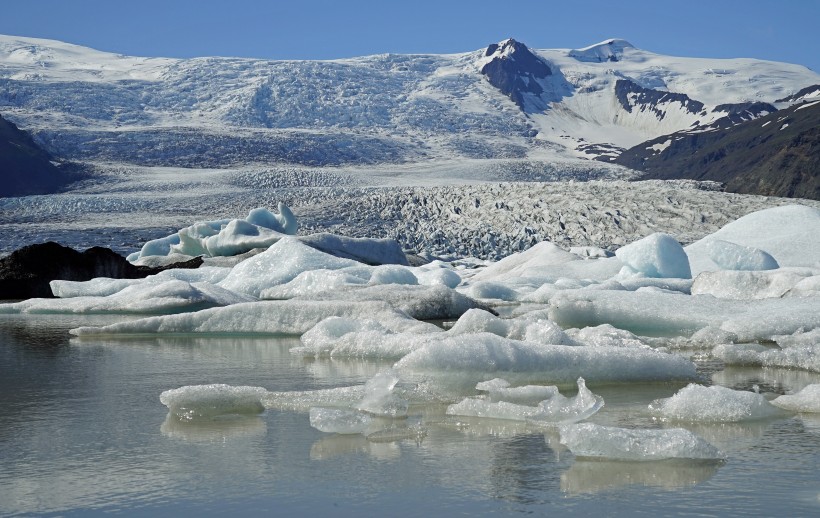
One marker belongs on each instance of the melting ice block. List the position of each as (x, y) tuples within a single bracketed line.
[(592, 440), (713, 404), (464, 358), (554, 409), (788, 233), (202, 401), (172, 296), (730, 256), (669, 314), (273, 317), (745, 285), (279, 264), (224, 237), (658, 255), (340, 420), (379, 398), (807, 400), (804, 356)]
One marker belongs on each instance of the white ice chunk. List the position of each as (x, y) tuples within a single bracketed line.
[(499, 389), (492, 290), (340, 420), (264, 317), (788, 233), (547, 262), (436, 273), (592, 440), (364, 250), (666, 314), (420, 302), (533, 326), (554, 409), (198, 401), (379, 398), (744, 285), (807, 400), (804, 356), (166, 297), (657, 255), (313, 282), (102, 286), (483, 355), (337, 337), (279, 264), (713, 404), (730, 256), (392, 274), (605, 336)]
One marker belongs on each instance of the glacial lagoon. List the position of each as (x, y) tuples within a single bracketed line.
[(83, 432)]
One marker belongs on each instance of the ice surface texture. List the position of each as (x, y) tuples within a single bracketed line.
[(714, 404), (206, 401), (592, 440)]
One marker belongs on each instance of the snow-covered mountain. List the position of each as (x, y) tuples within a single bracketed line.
[(505, 102)]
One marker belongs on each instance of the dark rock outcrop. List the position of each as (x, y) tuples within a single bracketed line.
[(522, 76), (25, 168), (26, 272), (803, 94), (633, 96), (775, 155)]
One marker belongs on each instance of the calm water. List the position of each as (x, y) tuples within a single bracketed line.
[(82, 432)]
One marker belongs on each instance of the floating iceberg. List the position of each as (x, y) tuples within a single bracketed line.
[(168, 297), (464, 358), (224, 237), (592, 440), (714, 404), (286, 317), (804, 355), (788, 233), (743, 285), (658, 255), (554, 409), (730, 256), (202, 401), (807, 400)]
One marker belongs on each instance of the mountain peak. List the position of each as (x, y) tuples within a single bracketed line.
[(607, 50)]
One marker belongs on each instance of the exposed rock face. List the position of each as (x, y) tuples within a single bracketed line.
[(25, 168), (804, 94), (776, 155), (522, 76), (632, 95), (26, 272)]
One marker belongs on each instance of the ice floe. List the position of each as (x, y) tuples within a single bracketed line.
[(554, 409), (699, 403), (806, 400), (204, 401), (657, 255), (593, 440)]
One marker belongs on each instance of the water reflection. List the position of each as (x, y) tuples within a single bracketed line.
[(767, 379), (214, 430), (338, 445), (592, 476)]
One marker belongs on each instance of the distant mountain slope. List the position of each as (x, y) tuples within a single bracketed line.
[(24, 167), (504, 102), (776, 155)]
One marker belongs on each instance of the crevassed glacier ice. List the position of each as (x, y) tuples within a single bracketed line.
[(593, 440), (713, 404), (199, 401)]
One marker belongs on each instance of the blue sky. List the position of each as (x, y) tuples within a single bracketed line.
[(326, 29)]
